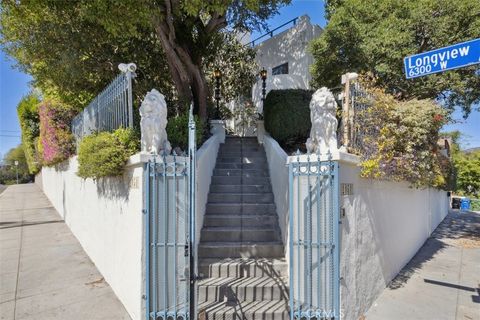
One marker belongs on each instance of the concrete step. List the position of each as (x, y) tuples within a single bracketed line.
[(239, 147), (240, 197), (240, 220), (240, 188), (240, 180), (247, 166), (244, 159), (240, 234), (247, 154), (234, 139), (241, 172), (240, 208), (240, 250), (244, 310), (241, 268), (242, 289)]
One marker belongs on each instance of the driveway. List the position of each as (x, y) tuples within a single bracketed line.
[(44, 272), (442, 281)]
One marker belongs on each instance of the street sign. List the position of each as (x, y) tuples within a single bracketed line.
[(443, 59)]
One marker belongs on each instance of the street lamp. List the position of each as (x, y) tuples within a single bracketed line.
[(16, 169), (263, 75), (217, 74)]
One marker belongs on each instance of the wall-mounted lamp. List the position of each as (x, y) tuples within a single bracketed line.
[(218, 75)]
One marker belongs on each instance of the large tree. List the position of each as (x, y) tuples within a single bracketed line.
[(375, 35), (8, 170), (70, 44)]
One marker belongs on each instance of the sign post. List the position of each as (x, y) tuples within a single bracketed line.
[(452, 57)]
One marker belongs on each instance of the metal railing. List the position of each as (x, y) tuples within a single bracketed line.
[(111, 109), (355, 101), (170, 257), (314, 238), (271, 32)]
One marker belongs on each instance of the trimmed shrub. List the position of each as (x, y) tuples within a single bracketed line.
[(56, 143), (287, 115), (106, 153), (27, 111), (177, 131)]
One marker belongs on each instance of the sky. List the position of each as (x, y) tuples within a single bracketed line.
[(15, 84)]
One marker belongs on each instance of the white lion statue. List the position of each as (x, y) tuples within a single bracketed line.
[(153, 123), (323, 135)]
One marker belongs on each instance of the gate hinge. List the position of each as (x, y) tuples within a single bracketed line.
[(187, 250), (144, 211)]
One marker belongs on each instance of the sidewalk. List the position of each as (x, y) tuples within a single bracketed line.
[(44, 272), (442, 281)]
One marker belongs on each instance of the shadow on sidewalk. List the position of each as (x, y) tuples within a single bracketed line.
[(17, 224), (458, 229)]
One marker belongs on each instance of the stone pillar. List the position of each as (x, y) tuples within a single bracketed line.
[(260, 131), (218, 127)]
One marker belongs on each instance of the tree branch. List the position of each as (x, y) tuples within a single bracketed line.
[(215, 23), (169, 20)]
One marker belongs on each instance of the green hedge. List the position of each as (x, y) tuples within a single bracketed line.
[(287, 115), (106, 153), (177, 131), (27, 111)]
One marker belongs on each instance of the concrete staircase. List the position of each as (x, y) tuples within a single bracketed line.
[(241, 254)]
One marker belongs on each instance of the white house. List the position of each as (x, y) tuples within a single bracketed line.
[(286, 58)]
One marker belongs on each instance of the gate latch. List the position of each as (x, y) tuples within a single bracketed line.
[(186, 250)]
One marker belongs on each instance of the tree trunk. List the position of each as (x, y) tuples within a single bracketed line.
[(186, 75), (200, 92)]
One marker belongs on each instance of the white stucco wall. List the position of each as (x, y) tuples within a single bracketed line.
[(385, 224), (206, 161), (106, 218), (277, 159)]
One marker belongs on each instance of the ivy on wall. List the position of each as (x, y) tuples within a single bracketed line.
[(27, 111), (56, 143)]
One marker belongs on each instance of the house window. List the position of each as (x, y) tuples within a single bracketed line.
[(281, 69)]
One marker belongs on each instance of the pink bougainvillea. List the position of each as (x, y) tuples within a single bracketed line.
[(56, 143)]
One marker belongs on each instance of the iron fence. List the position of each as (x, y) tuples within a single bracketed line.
[(355, 103), (111, 109), (360, 101), (314, 238), (170, 234)]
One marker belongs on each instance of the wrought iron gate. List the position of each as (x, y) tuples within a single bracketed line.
[(314, 238), (170, 230)]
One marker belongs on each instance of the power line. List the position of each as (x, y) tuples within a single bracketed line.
[(9, 136), (9, 130)]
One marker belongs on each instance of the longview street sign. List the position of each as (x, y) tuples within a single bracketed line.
[(452, 57)]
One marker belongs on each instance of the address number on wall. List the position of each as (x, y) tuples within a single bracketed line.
[(346, 189)]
